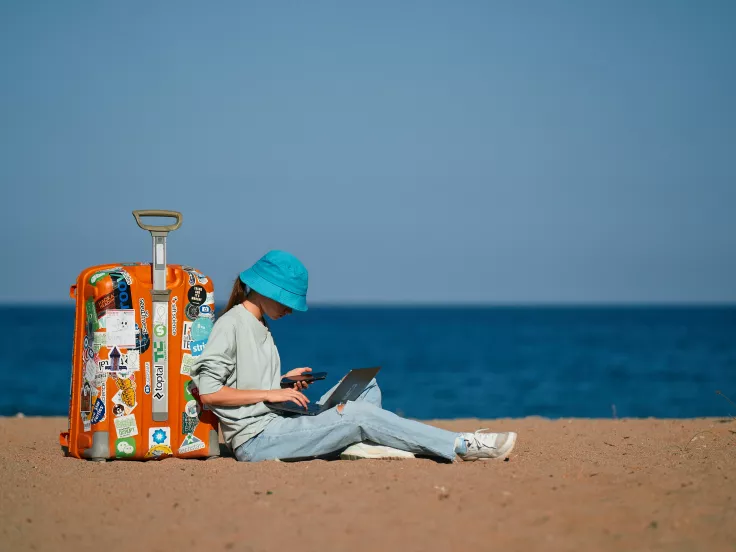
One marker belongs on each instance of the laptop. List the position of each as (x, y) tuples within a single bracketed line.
[(349, 389)]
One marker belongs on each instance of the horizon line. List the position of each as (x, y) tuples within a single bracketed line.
[(459, 304)]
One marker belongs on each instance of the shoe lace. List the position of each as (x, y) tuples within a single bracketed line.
[(477, 442)]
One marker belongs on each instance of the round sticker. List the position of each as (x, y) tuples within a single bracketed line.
[(192, 311), (197, 295), (201, 329), (159, 330), (192, 409)]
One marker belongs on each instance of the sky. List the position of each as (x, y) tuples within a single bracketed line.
[(407, 151)]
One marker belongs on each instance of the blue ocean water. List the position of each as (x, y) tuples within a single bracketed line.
[(456, 362)]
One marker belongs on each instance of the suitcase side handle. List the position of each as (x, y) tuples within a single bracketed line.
[(158, 213)]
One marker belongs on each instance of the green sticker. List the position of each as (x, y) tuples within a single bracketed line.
[(187, 394), (92, 320), (159, 330), (125, 448), (97, 276), (188, 424)]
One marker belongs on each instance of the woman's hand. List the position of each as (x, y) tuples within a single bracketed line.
[(298, 372), (287, 394)]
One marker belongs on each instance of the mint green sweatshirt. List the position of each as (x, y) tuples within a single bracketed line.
[(240, 353)]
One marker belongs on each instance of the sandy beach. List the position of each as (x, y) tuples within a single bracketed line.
[(572, 484)]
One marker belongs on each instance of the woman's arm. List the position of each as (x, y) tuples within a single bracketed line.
[(216, 365), (227, 396)]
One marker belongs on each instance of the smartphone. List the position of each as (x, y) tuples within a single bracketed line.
[(309, 377)]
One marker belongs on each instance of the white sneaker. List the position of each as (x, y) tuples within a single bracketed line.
[(488, 446), (371, 450)]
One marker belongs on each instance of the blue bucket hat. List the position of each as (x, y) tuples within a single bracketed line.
[(280, 276)]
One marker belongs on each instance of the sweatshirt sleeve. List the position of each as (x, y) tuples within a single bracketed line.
[(217, 362)]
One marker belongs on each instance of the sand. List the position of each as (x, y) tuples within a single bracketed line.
[(574, 484)]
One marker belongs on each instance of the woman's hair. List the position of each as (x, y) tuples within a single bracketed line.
[(239, 294)]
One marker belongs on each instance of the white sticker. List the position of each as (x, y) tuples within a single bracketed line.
[(187, 361), (87, 421), (192, 409), (174, 314), (90, 370), (159, 382), (186, 336), (147, 388), (160, 314), (125, 426), (120, 328), (131, 360), (159, 436), (101, 375), (190, 444), (98, 341), (128, 407), (210, 300)]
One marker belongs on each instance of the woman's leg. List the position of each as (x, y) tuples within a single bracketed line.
[(371, 394), (304, 437)]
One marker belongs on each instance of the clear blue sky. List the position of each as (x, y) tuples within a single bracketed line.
[(570, 151)]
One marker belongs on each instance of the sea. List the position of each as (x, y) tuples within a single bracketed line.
[(456, 362)]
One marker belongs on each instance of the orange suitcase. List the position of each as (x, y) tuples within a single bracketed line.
[(138, 329)]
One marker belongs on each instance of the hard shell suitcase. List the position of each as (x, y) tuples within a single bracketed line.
[(138, 329)]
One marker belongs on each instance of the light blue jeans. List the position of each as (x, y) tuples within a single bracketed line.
[(329, 433)]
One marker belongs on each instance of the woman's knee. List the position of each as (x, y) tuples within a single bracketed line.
[(354, 411), (372, 393)]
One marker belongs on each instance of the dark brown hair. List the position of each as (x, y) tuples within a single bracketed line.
[(237, 295)]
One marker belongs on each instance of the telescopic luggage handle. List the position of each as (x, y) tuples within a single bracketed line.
[(160, 301), (158, 213)]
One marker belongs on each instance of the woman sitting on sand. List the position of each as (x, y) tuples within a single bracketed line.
[(240, 370)]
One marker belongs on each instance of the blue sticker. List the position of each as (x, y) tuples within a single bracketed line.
[(197, 347), (142, 341), (98, 412), (121, 291), (201, 329), (159, 436), (205, 310)]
